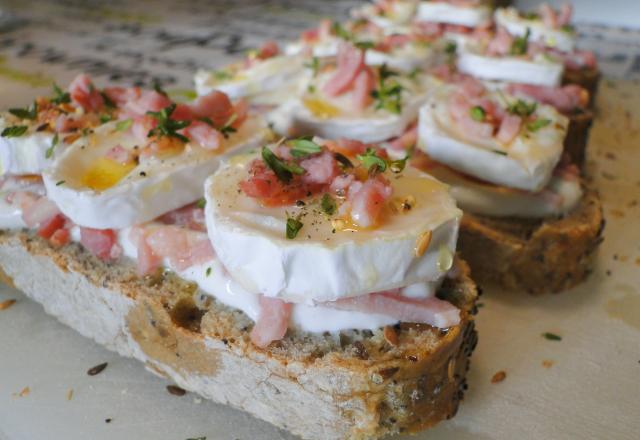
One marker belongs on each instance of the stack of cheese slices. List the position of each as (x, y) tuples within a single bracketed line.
[(286, 242)]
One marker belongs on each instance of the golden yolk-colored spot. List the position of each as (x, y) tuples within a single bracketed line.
[(105, 173), (422, 243), (321, 109)]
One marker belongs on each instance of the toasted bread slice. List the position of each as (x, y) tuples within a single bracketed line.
[(575, 143), (536, 256), (587, 77), (356, 384)]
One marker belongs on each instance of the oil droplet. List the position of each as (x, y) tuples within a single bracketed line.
[(445, 259)]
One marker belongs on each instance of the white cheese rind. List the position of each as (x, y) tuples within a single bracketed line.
[(510, 19), (167, 185), (250, 241), (24, 154), (538, 71), (441, 12), (527, 163)]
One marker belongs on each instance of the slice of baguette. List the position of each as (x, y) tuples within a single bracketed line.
[(587, 77), (536, 256), (575, 143), (358, 384)]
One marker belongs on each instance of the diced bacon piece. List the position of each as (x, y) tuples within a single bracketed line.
[(121, 155), (146, 259), (241, 112), (405, 141), (310, 35), (578, 59), (49, 226), (501, 43), (346, 147), (445, 72), (215, 106), (430, 28), (268, 50), (36, 212), (350, 63), (190, 217), (99, 241), (471, 87), (320, 169), (471, 128), (182, 112), (148, 101), (325, 27), (363, 85), (564, 15), (272, 322), (204, 134), (66, 123), (431, 310), (84, 93), (564, 99), (548, 15), (342, 182), (367, 202), (182, 247), (567, 171), (60, 237), (509, 129), (122, 95)]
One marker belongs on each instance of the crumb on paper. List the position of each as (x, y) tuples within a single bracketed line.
[(547, 363), (7, 303), (499, 376), (70, 394), (176, 390), (23, 393), (618, 213), (97, 369)]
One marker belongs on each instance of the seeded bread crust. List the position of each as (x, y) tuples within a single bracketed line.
[(575, 143), (535, 256), (356, 384)]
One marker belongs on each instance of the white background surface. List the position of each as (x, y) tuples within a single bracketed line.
[(592, 390)]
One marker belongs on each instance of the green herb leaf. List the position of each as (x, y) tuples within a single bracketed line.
[(501, 153), (552, 336), (538, 124), (222, 75), (158, 88), (328, 204), (450, 48), (522, 108), (397, 166), (167, 126), (520, 44), (30, 113), (107, 101), (208, 271), (14, 131), (371, 161), (304, 147), (314, 65), (340, 31), (201, 203), (104, 118), (568, 28), (227, 129), (364, 45), (60, 96), (60, 182), (477, 113), (293, 227), (124, 125), (389, 92), (49, 151), (343, 161), (284, 171)]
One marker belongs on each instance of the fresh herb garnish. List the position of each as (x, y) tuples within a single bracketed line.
[(389, 92), (328, 205), (60, 96), (340, 31), (227, 128), (49, 151), (520, 44), (208, 271), (538, 124), (123, 125), (397, 166), (30, 112), (60, 182), (293, 227), (201, 203), (304, 147), (343, 161), (552, 336), (372, 162), (104, 118), (14, 131), (107, 101), (284, 171), (364, 45), (501, 153), (314, 65), (167, 126), (86, 131), (522, 108), (222, 75), (158, 88), (451, 48), (568, 28), (477, 113)]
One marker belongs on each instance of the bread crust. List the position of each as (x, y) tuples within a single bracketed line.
[(587, 77), (353, 385), (535, 256), (575, 143)]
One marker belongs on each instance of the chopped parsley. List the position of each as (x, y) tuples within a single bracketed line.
[(49, 151), (201, 203), (14, 131), (538, 124), (60, 182), (568, 28), (123, 125), (314, 65), (30, 113), (222, 75), (107, 101), (552, 336), (284, 171), (371, 161), (227, 128), (304, 147), (477, 113), (520, 44), (208, 271), (343, 161), (328, 204), (451, 48), (340, 31), (364, 45), (60, 96), (167, 126), (522, 108), (293, 227), (104, 118), (389, 92), (158, 88), (397, 166)]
